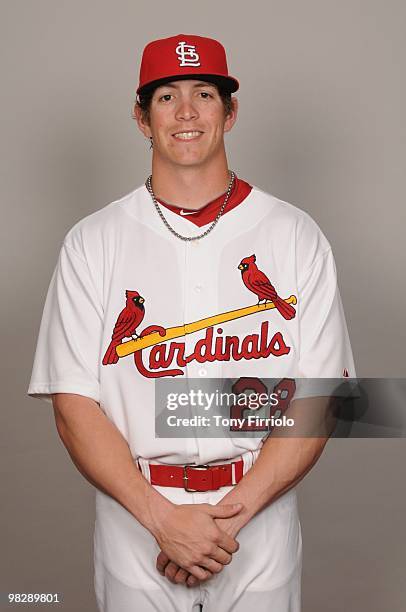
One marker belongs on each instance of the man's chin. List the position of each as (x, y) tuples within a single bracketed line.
[(188, 162)]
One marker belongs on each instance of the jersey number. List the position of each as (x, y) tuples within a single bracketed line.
[(284, 390)]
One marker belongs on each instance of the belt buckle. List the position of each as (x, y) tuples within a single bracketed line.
[(185, 476)]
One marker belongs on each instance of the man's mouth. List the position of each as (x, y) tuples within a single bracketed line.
[(187, 135)]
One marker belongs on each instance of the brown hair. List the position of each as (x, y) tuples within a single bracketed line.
[(143, 102)]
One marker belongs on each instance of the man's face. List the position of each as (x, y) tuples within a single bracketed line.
[(187, 122)]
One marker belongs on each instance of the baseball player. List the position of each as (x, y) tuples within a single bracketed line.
[(195, 274)]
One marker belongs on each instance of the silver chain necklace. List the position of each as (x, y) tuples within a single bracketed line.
[(170, 228)]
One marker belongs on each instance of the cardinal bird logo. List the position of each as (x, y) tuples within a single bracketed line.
[(127, 322), (257, 282)]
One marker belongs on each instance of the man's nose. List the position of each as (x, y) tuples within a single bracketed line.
[(186, 110)]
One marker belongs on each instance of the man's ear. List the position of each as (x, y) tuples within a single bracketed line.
[(232, 116), (141, 122)]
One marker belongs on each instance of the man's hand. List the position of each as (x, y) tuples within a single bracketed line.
[(177, 574), (190, 537)]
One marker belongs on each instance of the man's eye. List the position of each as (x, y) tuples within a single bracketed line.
[(206, 94), (165, 96)]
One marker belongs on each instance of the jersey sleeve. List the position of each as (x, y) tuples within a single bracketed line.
[(325, 350), (68, 348)]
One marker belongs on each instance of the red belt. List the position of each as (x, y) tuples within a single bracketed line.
[(193, 477)]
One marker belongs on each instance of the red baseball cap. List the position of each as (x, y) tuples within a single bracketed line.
[(185, 56)]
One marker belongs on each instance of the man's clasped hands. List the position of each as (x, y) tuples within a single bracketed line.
[(197, 541)]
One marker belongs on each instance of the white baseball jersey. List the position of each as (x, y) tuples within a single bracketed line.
[(194, 307)]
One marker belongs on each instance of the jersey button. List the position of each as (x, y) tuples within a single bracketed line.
[(202, 372), (198, 288)]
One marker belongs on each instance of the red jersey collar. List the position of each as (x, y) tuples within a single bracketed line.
[(209, 211)]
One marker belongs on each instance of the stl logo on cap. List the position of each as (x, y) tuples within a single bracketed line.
[(184, 56), (187, 55)]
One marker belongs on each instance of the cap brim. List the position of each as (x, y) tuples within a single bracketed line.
[(228, 84)]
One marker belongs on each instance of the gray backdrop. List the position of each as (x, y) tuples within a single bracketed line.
[(321, 125)]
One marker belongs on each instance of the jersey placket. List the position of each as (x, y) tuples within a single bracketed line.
[(200, 302)]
